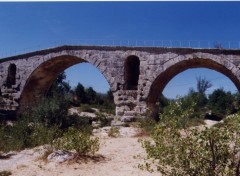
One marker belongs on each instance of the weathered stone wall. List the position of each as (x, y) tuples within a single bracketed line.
[(36, 71)]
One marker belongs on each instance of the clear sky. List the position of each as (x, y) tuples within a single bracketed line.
[(28, 26)]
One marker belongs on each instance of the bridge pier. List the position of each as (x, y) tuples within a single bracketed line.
[(128, 106)]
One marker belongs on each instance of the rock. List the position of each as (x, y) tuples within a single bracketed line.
[(96, 124), (72, 111), (106, 129), (96, 131), (117, 123), (60, 156), (88, 114), (128, 131), (127, 118)]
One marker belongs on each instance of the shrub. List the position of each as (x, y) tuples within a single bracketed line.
[(87, 108), (43, 134), (185, 115), (194, 151), (49, 110), (79, 141), (221, 103), (25, 135), (15, 137), (147, 124), (113, 132), (5, 173), (104, 120), (107, 107), (80, 122)]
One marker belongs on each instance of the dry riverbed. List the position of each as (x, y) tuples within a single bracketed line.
[(117, 156)]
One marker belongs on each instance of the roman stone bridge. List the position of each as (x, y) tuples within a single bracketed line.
[(136, 75)]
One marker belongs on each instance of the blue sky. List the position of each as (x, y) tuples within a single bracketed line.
[(28, 26)]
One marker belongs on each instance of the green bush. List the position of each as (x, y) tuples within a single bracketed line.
[(86, 108), (15, 137), (26, 135), (104, 120), (194, 151), (147, 124), (108, 108), (5, 173), (184, 113), (43, 134), (81, 123), (221, 103), (114, 132), (79, 141), (49, 110)]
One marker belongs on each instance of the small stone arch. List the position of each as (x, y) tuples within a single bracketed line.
[(11, 76), (175, 66), (131, 72)]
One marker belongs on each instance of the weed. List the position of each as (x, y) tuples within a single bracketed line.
[(5, 173), (79, 141), (45, 154), (113, 132)]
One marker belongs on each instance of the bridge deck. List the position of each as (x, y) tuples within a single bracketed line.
[(155, 50)]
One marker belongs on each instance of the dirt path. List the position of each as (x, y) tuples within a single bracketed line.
[(117, 157)]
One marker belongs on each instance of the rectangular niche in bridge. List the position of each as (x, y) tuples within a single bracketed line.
[(131, 72), (11, 77)]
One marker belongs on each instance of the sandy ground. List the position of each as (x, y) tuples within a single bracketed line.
[(116, 157)]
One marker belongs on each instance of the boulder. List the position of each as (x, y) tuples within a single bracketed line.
[(60, 156)]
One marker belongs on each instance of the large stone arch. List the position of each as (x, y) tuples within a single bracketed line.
[(181, 63), (41, 78)]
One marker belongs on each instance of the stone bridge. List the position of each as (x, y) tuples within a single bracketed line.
[(136, 75)]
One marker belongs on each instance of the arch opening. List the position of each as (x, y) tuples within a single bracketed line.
[(164, 78), (131, 72), (43, 77)]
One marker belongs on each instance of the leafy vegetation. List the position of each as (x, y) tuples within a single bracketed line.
[(221, 102), (216, 105), (79, 141), (47, 126), (113, 132), (179, 150), (48, 121), (181, 145), (104, 120), (25, 135), (51, 110), (5, 173)]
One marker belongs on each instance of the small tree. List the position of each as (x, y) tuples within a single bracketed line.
[(221, 102), (51, 110), (80, 93), (203, 85), (91, 95), (59, 86)]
